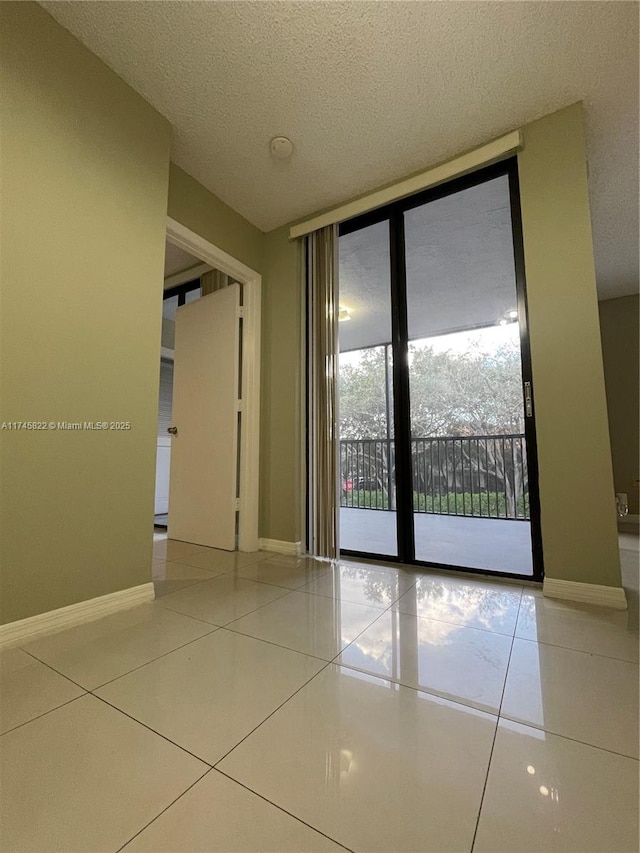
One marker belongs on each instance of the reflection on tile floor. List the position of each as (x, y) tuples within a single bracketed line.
[(273, 703)]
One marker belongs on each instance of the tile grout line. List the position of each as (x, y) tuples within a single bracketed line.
[(578, 651), (237, 633), (567, 737), (183, 561), (288, 588), (153, 731), (44, 713), (280, 808), (308, 654), (495, 733), (382, 677), (235, 618), (454, 701), (322, 669), (214, 628), (457, 624), (53, 669), (275, 710), (160, 813), (427, 692), (408, 686)]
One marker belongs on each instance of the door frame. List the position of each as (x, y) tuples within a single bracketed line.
[(249, 501), (394, 214)]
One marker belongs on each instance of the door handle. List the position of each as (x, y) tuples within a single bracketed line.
[(172, 430), (528, 400)]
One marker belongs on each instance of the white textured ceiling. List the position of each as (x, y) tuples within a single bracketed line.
[(372, 91)]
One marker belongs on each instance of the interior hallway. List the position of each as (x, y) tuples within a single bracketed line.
[(272, 703)]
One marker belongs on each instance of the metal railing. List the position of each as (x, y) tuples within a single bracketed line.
[(481, 475)]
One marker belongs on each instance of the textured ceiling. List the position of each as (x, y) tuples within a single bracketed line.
[(372, 91)]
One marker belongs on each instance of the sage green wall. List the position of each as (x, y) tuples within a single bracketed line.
[(205, 214), (620, 351), (84, 175), (579, 531), (281, 372), (578, 519)]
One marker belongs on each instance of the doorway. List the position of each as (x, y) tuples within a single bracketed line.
[(207, 485), (182, 272), (436, 420)]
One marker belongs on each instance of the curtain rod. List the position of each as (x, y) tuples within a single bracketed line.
[(485, 155)]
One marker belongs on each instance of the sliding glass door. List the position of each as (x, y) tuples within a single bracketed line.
[(437, 438), (367, 447)]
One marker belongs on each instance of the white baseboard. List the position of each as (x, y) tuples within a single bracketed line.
[(15, 633), (586, 593), (279, 546)]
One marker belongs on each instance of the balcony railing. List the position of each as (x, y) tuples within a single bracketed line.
[(481, 475)]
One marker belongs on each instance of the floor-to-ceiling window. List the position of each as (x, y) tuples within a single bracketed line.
[(437, 439)]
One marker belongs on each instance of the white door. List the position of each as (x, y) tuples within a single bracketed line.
[(204, 463)]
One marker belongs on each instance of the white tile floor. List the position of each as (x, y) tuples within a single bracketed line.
[(267, 703)]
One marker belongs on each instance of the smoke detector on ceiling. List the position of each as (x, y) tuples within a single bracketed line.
[(281, 147)]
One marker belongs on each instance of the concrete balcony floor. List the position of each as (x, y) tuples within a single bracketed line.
[(493, 544)]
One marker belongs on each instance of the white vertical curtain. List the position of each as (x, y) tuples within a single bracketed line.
[(321, 253)]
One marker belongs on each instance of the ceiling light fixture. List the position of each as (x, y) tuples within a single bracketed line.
[(281, 147), (510, 316), (343, 315)]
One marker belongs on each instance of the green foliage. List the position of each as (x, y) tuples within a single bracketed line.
[(363, 408), (365, 499), (484, 505), (469, 393)]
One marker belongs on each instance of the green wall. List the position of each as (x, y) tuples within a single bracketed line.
[(202, 212), (84, 174), (620, 351), (579, 533), (281, 373)]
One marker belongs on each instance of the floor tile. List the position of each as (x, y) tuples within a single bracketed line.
[(28, 689), (222, 599), (598, 630), (219, 816), (475, 604), (282, 570), (96, 652), (311, 624), (85, 778), (463, 664), (209, 695), (173, 549), (547, 793), (585, 697), (220, 562), (170, 577), (374, 585), (376, 766)]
